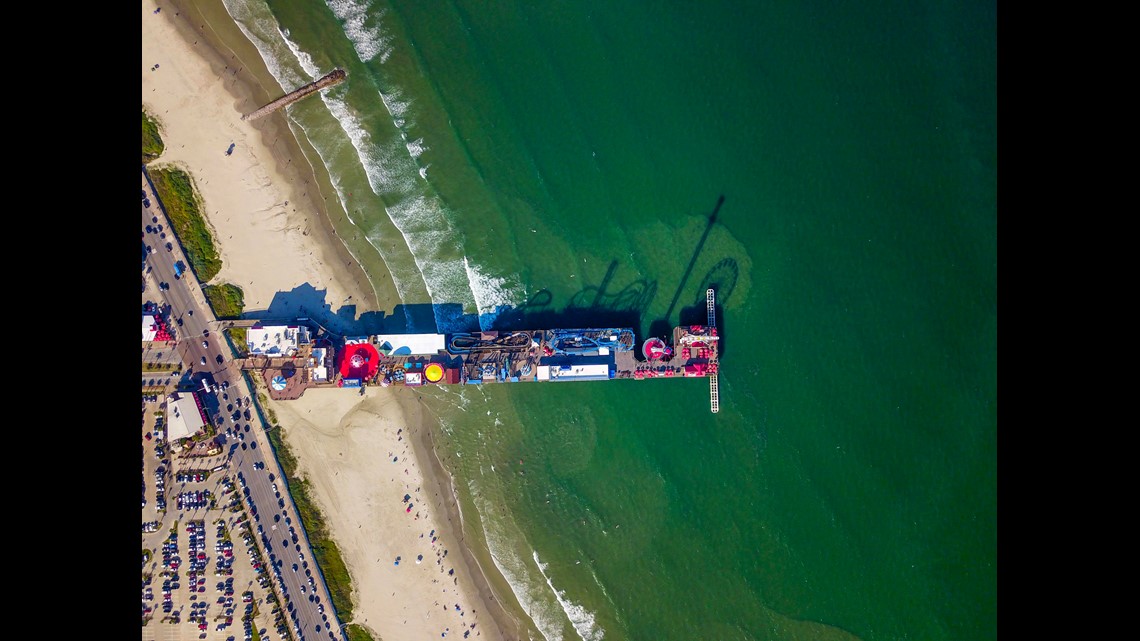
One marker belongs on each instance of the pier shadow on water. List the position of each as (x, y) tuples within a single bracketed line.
[(721, 278), (611, 302), (593, 306)]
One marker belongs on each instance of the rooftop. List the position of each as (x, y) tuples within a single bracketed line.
[(276, 340)]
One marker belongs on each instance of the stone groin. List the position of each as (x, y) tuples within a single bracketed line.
[(333, 77)]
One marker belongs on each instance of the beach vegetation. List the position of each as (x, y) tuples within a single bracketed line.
[(226, 299), (356, 632), (325, 551), (152, 145), (270, 415), (180, 200), (238, 337)]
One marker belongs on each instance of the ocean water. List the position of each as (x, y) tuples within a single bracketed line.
[(829, 168)]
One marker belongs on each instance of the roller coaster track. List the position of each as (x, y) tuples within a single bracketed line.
[(470, 343), (577, 341)]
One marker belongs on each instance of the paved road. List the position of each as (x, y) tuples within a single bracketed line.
[(185, 296)]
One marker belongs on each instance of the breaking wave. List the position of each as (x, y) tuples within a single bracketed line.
[(491, 293), (514, 570), (582, 619), (363, 29), (463, 294)]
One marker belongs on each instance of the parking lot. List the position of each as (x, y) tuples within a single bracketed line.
[(205, 572), (190, 330)]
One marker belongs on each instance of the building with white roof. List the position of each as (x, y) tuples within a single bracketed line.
[(149, 327), (183, 417), (409, 344), (318, 370), (276, 340)]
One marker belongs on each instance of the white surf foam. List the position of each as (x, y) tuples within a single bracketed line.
[(421, 220), (303, 58), (405, 273), (512, 567), (391, 167), (582, 619), (256, 21), (282, 58), (491, 292), (363, 29), (396, 105), (416, 147)]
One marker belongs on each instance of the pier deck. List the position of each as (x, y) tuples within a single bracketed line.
[(507, 357)]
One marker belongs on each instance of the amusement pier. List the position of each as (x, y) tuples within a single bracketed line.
[(291, 359)]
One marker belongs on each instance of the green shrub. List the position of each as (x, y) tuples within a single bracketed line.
[(238, 335), (152, 145), (356, 633), (325, 551), (226, 299), (180, 200)]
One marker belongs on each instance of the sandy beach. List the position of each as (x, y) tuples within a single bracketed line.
[(363, 460), (277, 245)]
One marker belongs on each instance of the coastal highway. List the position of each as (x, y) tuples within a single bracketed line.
[(248, 448)]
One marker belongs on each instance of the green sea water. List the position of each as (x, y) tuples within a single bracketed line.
[(537, 164)]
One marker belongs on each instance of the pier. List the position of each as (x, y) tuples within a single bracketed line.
[(297, 360), (328, 80), (714, 386)]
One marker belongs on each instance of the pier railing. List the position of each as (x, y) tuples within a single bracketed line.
[(714, 386)]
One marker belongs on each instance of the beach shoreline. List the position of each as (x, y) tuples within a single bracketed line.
[(265, 194), (264, 201), (426, 425), (380, 510)]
